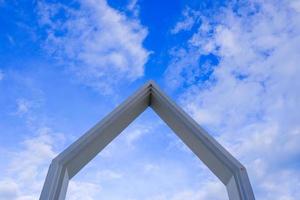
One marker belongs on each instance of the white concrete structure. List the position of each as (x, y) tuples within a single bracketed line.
[(67, 164)]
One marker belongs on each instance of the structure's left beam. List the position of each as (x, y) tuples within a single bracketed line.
[(96, 139), (77, 155)]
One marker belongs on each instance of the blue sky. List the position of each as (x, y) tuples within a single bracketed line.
[(232, 65)]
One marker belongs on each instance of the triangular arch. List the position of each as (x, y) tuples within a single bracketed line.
[(68, 163)]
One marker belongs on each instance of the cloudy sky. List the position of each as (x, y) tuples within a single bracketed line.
[(234, 66)]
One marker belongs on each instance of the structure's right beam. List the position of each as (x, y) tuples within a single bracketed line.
[(215, 157)]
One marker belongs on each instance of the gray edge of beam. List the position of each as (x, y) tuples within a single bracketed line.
[(67, 164)]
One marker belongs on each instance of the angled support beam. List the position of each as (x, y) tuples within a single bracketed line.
[(229, 170), (77, 155), (67, 164)]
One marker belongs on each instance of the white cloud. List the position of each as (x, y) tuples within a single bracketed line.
[(78, 190), (1, 75), (250, 98), (8, 189), (134, 134), (107, 174), (190, 17), (129, 139), (27, 168), (99, 44), (295, 4), (150, 167), (27, 164), (23, 106), (208, 190), (134, 8)]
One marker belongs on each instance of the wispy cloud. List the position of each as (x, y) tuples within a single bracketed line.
[(1, 75), (248, 97), (27, 161), (133, 7), (97, 43), (28, 164), (23, 106), (189, 18), (83, 190), (27, 167)]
